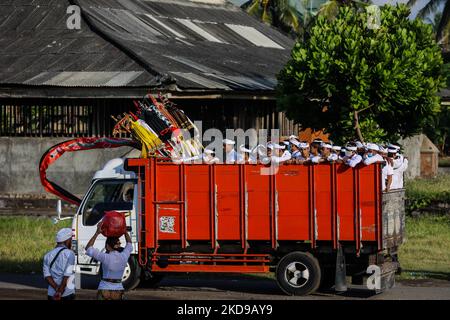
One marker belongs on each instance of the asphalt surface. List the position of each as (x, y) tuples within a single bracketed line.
[(223, 287)]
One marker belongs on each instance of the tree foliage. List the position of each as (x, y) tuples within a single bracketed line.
[(343, 71)]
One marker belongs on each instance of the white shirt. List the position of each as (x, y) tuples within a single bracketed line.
[(397, 178), (315, 159), (398, 162), (353, 160), (296, 154), (62, 267), (387, 170), (374, 158), (332, 157), (232, 157), (113, 265), (209, 159), (284, 157)]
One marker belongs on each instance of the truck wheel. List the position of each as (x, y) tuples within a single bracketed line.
[(298, 273), (132, 274)]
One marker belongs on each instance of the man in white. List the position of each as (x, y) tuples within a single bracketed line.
[(209, 158), (248, 155), (327, 155), (387, 172), (400, 164), (295, 148), (336, 150), (351, 157), (231, 156), (59, 266), (372, 155), (277, 154)]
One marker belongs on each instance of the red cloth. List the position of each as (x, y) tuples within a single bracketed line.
[(114, 224)]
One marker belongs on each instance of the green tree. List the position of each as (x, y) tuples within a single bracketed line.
[(431, 6), (357, 82), (278, 13)]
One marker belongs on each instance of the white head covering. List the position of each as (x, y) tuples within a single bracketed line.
[(293, 137), (392, 150), (275, 146), (373, 146), (383, 150), (393, 146), (286, 142), (303, 145), (244, 149), (228, 141), (351, 148), (359, 145), (208, 151), (63, 235), (326, 145), (337, 148), (295, 142)]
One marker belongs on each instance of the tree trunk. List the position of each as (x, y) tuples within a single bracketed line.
[(358, 129)]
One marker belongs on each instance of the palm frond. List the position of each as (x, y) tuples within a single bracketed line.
[(444, 24), (430, 7)]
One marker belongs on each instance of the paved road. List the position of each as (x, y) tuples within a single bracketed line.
[(231, 287)]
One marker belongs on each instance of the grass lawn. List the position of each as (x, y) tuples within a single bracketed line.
[(423, 192), (426, 253), (24, 241)]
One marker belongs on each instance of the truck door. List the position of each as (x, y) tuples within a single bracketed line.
[(104, 195)]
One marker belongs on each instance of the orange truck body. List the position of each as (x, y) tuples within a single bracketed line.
[(231, 218)]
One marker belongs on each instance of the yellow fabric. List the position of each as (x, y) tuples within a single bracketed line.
[(149, 140)]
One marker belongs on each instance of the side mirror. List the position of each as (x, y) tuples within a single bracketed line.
[(58, 213), (59, 209)]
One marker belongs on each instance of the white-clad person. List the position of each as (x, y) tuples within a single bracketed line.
[(387, 172), (372, 155), (209, 158), (352, 158), (59, 266), (249, 155), (278, 154), (305, 155), (400, 164), (326, 153), (295, 148), (360, 148), (231, 156), (114, 262), (336, 150)]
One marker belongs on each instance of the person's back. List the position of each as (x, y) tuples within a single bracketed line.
[(58, 268), (114, 262)]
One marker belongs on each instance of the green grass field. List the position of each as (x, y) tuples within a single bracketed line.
[(24, 241), (423, 192), (426, 253)]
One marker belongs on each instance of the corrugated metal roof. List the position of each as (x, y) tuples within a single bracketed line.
[(199, 45)]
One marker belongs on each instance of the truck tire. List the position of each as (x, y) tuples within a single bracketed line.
[(132, 274), (298, 273)]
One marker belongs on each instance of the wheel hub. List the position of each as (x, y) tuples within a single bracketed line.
[(297, 274)]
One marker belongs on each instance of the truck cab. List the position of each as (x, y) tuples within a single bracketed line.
[(112, 188)]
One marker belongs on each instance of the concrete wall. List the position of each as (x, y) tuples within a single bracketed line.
[(411, 149), (19, 160)]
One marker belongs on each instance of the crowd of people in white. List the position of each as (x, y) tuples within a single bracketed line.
[(294, 151)]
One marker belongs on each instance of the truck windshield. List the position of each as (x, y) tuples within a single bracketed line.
[(107, 195)]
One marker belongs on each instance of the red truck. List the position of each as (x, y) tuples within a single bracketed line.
[(312, 225)]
